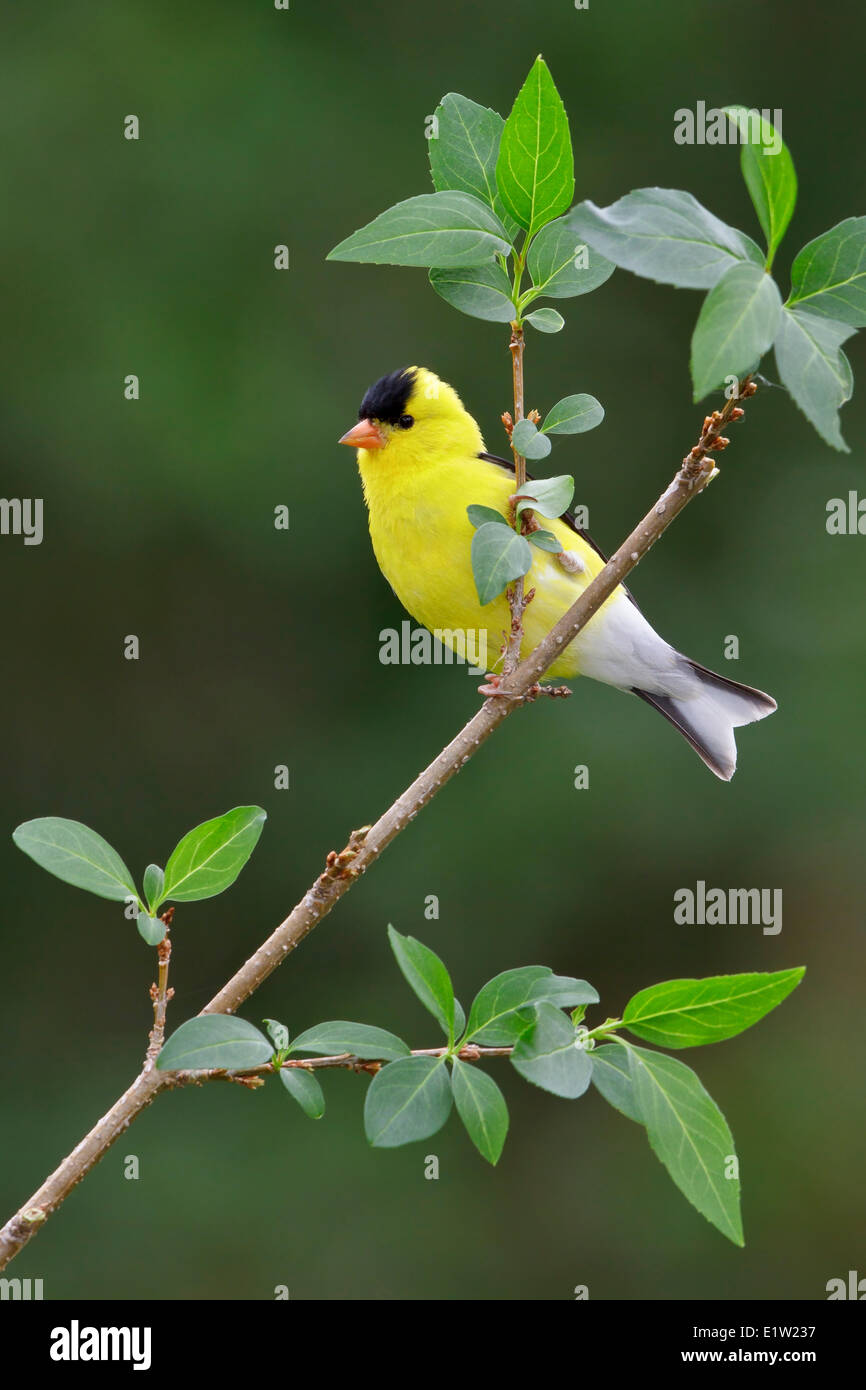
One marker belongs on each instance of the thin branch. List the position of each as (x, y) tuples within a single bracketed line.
[(160, 994), (346, 1061), (517, 601), (367, 844), (472, 1052)]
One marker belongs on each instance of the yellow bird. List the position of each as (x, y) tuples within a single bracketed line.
[(422, 463)]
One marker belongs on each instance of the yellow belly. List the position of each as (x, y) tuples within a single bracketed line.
[(421, 537)]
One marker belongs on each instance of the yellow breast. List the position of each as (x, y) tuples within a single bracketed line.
[(421, 537)]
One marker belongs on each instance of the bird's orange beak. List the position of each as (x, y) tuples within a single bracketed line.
[(364, 435)]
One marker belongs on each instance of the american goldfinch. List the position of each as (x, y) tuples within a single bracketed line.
[(422, 463)]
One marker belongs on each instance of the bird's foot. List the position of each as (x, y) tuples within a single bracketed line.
[(493, 689)]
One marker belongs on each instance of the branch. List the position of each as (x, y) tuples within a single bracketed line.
[(347, 1061), (367, 844), (160, 994), (516, 601)]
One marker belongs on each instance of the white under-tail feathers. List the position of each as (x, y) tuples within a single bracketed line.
[(709, 716), (624, 651)]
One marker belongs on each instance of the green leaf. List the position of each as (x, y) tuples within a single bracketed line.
[(549, 496), (498, 556), (482, 291), (535, 167), (481, 1106), (209, 858), (505, 1031), (689, 1013), (573, 415), (215, 1040), (828, 276), (459, 1019), (690, 1135), (562, 265), (565, 991), (665, 235), (441, 229), (770, 178), (478, 515), (737, 324), (501, 996), (77, 855), (409, 1099), (278, 1033), (547, 1055), (611, 1075), (513, 990), (360, 1039), (151, 929), (545, 540), (815, 370), (463, 155), (528, 441), (545, 320), (427, 976), (303, 1087), (154, 881)]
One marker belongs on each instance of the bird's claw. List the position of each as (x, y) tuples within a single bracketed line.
[(492, 686), (492, 689)]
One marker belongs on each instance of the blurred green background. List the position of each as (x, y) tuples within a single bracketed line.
[(260, 647)]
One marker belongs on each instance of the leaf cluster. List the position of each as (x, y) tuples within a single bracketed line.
[(667, 235), (536, 1017), (501, 211), (204, 863)]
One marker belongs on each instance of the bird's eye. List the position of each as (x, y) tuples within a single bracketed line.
[(406, 421)]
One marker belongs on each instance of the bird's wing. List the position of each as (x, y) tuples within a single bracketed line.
[(567, 517)]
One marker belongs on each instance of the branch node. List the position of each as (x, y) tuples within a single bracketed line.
[(340, 864), (555, 692)]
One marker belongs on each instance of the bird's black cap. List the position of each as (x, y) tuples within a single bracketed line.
[(388, 398)]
